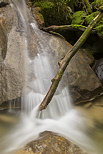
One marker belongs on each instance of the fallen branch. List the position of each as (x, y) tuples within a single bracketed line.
[(65, 61), (73, 27)]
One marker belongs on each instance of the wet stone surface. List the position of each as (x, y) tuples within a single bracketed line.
[(99, 69), (50, 143)]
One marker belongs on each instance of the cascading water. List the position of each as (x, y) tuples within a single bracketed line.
[(60, 116)]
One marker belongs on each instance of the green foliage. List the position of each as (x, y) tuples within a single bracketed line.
[(62, 6), (78, 17), (99, 30), (64, 12), (44, 5), (54, 11), (90, 17), (97, 3)]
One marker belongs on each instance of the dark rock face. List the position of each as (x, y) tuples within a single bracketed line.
[(3, 4), (98, 68), (3, 43)]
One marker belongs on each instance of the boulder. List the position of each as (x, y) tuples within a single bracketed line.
[(50, 143), (11, 47), (98, 68), (81, 79)]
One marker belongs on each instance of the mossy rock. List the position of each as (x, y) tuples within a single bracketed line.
[(38, 16), (78, 17)]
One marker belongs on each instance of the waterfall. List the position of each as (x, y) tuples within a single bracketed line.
[(40, 70), (60, 116)]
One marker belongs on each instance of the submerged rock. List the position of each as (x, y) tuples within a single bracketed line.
[(50, 143)]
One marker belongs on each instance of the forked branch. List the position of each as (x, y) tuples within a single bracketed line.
[(65, 61)]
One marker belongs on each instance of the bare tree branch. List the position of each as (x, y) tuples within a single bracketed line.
[(65, 61), (56, 28)]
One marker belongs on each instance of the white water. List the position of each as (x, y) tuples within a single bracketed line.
[(60, 115)]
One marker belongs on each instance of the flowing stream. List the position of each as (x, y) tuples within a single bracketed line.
[(60, 116)]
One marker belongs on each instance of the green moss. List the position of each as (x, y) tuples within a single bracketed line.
[(44, 5), (78, 26), (90, 17), (78, 17), (41, 17)]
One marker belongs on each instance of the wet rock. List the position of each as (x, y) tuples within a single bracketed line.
[(3, 42), (82, 80), (11, 76), (38, 16), (98, 68), (50, 143)]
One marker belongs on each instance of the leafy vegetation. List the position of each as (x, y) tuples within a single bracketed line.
[(66, 12), (90, 17), (44, 5), (78, 17)]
